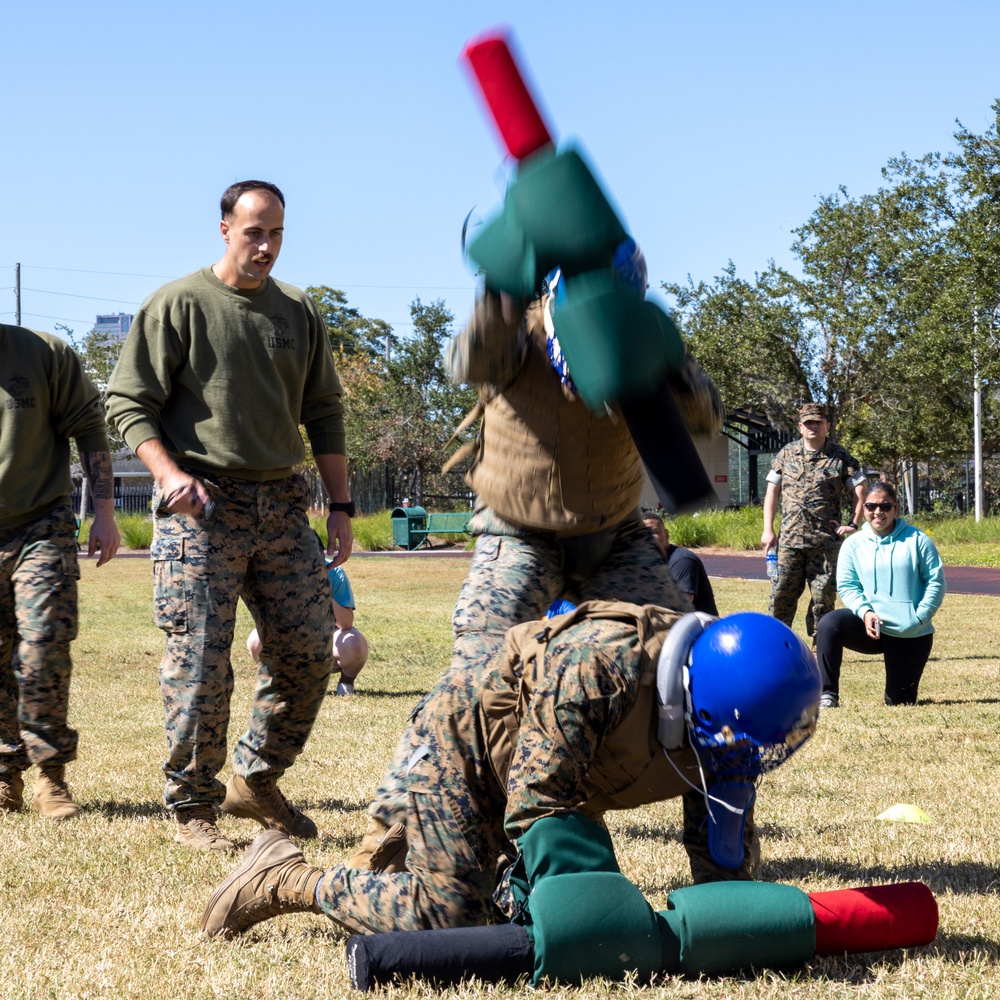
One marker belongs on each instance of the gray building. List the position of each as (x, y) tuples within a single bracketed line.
[(114, 326)]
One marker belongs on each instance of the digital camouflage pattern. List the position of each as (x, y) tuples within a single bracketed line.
[(259, 546), (796, 568), (815, 486), (458, 821), (515, 576), (38, 621)]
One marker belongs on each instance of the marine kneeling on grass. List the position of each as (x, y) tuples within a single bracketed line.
[(512, 766)]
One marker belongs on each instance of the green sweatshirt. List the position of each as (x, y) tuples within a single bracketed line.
[(224, 377), (45, 399)]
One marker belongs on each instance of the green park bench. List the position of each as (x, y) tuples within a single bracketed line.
[(413, 526)]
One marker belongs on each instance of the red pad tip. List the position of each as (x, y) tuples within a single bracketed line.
[(874, 918), (492, 62)]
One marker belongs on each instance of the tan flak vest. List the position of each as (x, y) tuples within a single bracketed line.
[(630, 768), (544, 461)]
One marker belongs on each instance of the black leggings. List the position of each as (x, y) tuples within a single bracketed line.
[(905, 659)]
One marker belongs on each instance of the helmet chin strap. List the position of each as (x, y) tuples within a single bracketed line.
[(725, 832), (703, 787)]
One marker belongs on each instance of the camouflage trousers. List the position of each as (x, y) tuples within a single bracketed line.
[(438, 789), (515, 576), (796, 568), (450, 813), (38, 621), (258, 546), (450, 830)]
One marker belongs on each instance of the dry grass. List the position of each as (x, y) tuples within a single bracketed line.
[(108, 905)]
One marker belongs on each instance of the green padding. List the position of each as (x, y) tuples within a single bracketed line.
[(725, 926), (617, 346), (592, 924), (569, 842), (554, 215)]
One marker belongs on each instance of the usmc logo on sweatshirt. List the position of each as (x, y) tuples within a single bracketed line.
[(17, 387), (279, 339)]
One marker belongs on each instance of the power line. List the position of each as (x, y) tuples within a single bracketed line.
[(171, 277), (73, 295), (59, 319)]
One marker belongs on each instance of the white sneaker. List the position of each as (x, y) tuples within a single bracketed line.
[(345, 687)]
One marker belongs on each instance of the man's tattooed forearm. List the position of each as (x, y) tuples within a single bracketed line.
[(97, 466)]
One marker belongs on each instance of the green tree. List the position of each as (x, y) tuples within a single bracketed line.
[(750, 340), (347, 329), (871, 274), (403, 409), (99, 355), (422, 407)]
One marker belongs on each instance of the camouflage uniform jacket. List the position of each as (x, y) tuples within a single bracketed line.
[(814, 487), (569, 716)]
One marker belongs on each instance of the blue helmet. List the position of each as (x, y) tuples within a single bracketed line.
[(630, 266), (744, 690), (753, 692)]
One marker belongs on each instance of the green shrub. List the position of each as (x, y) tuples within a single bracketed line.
[(372, 532), (730, 529), (136, 530)]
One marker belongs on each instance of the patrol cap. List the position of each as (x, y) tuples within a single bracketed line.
[(812, 411)]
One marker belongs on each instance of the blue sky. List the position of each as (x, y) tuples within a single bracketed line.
[(714, 127)]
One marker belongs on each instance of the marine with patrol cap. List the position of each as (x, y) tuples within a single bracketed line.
[(813, 479)]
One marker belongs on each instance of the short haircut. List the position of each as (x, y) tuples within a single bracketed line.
[(882, 487), (233, 193)]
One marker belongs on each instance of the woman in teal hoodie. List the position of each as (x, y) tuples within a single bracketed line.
[(891, 582)]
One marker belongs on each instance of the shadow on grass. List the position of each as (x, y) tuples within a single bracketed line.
[(112, 809), (333, 805), (963, 877), (930, 702), (947, 944), (377, 693), (871, 966)]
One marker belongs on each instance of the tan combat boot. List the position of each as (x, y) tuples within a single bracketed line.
[(52, 796), (382, 849), (273, 879), (11, 791), (261, 799), (197, 829)]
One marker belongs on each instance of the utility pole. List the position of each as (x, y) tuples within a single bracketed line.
[(977, 417), (17, 295)]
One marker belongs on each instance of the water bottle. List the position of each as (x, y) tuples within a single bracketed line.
[(771, 560)]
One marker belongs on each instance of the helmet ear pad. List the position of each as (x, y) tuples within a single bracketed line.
[(671, 687)]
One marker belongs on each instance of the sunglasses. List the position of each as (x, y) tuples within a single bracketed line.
[(885, 506)]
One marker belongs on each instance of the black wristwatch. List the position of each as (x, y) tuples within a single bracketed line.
[(852, 525), (347, 508)]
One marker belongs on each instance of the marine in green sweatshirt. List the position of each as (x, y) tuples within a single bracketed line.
[(45, 399), (217, 374), (224, 376)]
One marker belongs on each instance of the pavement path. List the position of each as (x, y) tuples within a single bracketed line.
[(745, 566), (750, 566), (960, 579)]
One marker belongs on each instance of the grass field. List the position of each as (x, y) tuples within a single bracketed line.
[(108, 905)]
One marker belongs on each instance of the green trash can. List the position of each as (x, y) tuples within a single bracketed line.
[(407, 525)]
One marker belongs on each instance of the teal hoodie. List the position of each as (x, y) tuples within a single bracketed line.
[(898, 576)]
